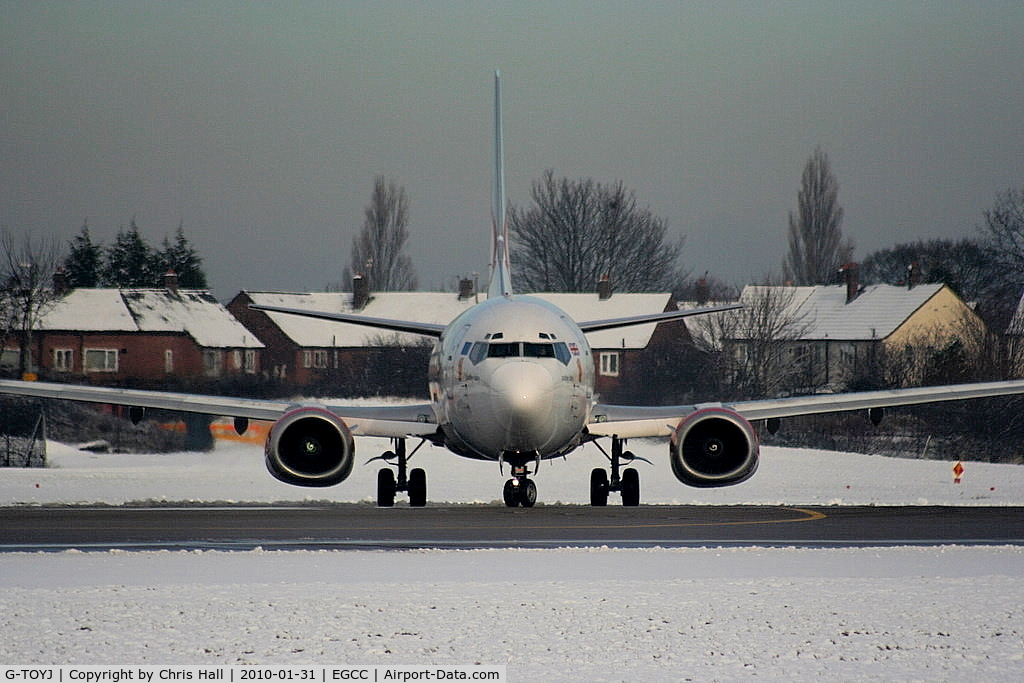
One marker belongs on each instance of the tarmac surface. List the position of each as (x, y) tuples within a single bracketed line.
[(242, 527)]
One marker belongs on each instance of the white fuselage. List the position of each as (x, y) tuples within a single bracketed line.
[(512, 378)]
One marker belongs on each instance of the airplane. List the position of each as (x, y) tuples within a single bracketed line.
[(511, 380)]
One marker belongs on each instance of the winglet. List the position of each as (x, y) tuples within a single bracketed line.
[(501, 270)]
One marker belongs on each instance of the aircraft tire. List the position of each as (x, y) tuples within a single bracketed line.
[(630, 487), (417, 488), (528, 493), (509, 495), (386, 487), (598, 487)]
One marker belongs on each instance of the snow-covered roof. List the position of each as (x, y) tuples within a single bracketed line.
[(442, 308), (876, 312), (193, 312), (424, 307), (585, 307)]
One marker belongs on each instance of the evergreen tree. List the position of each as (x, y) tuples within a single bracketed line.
[(182, 258), (83, 263), (131, 262)]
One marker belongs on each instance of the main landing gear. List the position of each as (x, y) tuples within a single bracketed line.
[(415, 482), (628, 484)]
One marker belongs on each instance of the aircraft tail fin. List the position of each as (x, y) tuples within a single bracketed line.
[(501, 270)]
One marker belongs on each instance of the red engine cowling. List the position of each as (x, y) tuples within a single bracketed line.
[(310, 446), (713, 447)]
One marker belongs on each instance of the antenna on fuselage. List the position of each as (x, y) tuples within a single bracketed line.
[(501, 279)]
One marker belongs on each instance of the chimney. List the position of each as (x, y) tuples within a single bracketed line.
[(171, 281), (604, 288), (703, 291), (852, 277), (360, 292), (60, 282), (913, 275), (466, 289)]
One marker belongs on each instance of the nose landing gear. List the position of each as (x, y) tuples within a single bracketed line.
[(520, 489)]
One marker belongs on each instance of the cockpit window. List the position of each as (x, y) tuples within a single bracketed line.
[(562, 353), (478, 352), (534, 350), (484, 349), (503, 350)]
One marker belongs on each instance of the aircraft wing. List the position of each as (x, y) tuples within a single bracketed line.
[(390, 421), (426, 329), (612, 323), (634, 421)]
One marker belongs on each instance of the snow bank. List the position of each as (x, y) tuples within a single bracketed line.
[(235, 472)]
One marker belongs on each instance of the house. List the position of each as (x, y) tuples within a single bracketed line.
[(635, 364), (831, 335), (148, 337), (308, 353)]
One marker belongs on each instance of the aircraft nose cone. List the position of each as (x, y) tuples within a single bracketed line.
[(522, 400)]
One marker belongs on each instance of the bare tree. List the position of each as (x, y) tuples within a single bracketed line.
[(816, 245), (377, 250), (27, 267), (754, 345), (1004, 227), (579, 231), (969, 266), (1003, 234)]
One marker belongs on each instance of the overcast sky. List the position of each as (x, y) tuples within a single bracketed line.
[(261, 126)]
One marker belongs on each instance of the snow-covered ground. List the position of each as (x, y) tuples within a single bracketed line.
[(911, 613), (235, 472)]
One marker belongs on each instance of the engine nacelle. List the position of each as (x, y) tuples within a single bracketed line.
[(310, 446), (713, 447)]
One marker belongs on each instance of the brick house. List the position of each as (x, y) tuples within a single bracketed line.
[(144, 337), (322, 355), (327, 355), (635, 364)]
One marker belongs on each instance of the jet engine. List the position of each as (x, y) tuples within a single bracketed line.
[(310, 446), (713, 447)]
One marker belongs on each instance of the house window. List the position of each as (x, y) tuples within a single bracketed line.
[(316, 359), (847, 356), (168, 361), (610, 363), (250, 361), (212, 362), (101, 360), (9, 358), (63, 360), (236, 356)]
